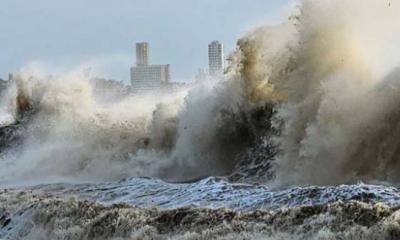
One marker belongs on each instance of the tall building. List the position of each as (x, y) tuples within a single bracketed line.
[(150, 77), (142, 54), (145, 76), (216, 57)]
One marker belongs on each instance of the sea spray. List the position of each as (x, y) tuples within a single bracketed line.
[(342, 53), (314, 98)]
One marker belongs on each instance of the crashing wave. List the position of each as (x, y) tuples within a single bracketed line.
[(310, 101)]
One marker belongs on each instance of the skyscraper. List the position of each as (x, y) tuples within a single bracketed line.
[(216, 57), (145, 76), (142, 54)]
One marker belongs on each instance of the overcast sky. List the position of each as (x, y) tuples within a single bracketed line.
[(62, 34)]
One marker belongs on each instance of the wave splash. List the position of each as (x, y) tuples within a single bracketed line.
[(313, 100), (62, 131)]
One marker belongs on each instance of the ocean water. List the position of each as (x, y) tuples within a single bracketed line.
[(212, 208)]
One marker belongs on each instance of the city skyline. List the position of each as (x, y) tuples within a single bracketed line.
[(103, 32), (147, 76)]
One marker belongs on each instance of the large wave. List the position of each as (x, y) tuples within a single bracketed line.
[(314, 98), (332, 70), (63, 132), (340, 117)]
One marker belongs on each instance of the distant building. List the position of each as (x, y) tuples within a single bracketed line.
[(150, 77), (216, 57), (142, 54), (177, 86), (145, 76), (3, 85), (108, 89), (10, 77), (201, 75)]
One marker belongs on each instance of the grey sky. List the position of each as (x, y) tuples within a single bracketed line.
[(66, 33)]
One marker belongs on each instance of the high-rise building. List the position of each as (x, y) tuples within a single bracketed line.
[(145, 76), (150, 77), (216, 57), (142, 54)]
